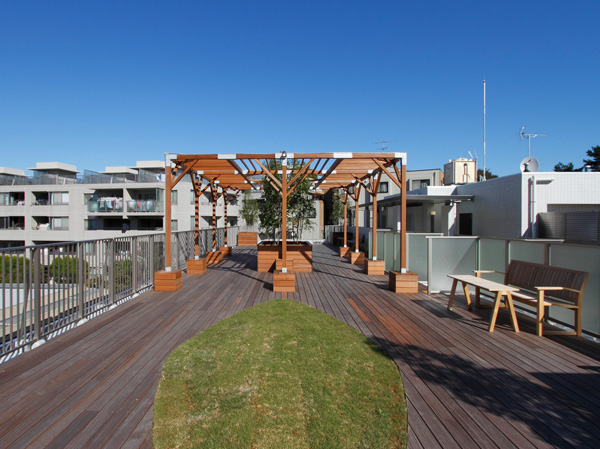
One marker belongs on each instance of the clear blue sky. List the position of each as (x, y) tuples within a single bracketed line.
[(106, 83)]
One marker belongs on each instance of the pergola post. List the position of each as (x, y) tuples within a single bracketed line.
[(168, 183), (284, 194)]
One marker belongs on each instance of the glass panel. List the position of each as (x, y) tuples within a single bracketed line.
[(450, 255), (417, 254), (492, 257), (527, 251), (583, 258)]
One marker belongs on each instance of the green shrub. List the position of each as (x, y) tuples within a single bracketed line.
[(12, 270), (65, 270)]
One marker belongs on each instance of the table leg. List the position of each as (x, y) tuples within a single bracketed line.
[(495, 312), (467, 296), (511, 308), (451, 300)]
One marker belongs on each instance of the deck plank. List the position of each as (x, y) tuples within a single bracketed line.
[(94, 386)]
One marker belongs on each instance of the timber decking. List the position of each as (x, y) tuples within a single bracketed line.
[(94, 386)]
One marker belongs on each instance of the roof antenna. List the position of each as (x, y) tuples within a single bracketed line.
[(528, 136), (383, 144)]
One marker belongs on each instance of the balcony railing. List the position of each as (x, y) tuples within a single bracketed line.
[(106, 205), (144, 206), (47, 289)]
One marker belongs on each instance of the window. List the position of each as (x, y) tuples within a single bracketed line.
[(59, 223), (192, 222), (383, 187), (174, 197), (173, 225), (192, 197), (419, 183), (59, 198)]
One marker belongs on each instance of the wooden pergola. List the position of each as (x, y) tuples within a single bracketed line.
[(228, 174)]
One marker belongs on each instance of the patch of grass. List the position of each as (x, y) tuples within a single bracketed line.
[(280, 375)]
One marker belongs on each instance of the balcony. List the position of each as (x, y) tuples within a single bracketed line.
[(144, 206), (105, 205)]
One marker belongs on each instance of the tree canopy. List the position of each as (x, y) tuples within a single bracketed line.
[(593, 163)]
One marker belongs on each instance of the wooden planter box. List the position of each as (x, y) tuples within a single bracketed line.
[(168, 281), (374, 267), (344, 252), (299, 255), (196, 266), (404, 283), (357, 258), (213, 257), (247, 239), (225, 251), (284, 282)]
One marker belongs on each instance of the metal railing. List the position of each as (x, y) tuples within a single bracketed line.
[(47, 289)]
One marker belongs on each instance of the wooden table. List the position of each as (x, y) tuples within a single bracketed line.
[(495, 287)]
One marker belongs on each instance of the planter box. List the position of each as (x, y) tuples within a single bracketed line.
[(279, 264), (213, 257), (404, 283), (284, 282), (225, 251), (168, 281), (196, 266), (299, 255), (247, 239), (374, 267), (357, 258), (345, 252)]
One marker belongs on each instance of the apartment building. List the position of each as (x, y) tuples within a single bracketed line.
[(58, 203)]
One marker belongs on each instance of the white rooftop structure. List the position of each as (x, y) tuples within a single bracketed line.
[(12, 171), (54, 167)]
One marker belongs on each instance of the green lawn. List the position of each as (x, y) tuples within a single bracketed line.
[(280, 375)]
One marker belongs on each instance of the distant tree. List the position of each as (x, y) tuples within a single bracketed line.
[(593, 163), (337, 210), (488, 174), (565, 167)]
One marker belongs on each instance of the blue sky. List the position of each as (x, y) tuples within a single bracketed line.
[(107, 83)]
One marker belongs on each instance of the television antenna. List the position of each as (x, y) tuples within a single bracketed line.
[(383, 144), (528, 136)]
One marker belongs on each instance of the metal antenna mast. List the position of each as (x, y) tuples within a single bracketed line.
[(383, 144), (524, 135), (484, 130)]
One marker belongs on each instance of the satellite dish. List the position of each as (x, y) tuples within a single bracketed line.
[(529, 164)]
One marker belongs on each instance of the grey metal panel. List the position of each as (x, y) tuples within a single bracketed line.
[(552, 225), (582, 226)]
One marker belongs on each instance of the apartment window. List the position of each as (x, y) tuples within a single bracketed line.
[(174, 197), (59, 223), (192, 222), (420, 183), (173, 225), (192, 197), (383, 187), (59, 198)]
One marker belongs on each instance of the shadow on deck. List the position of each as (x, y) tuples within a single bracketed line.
[(94, 386)]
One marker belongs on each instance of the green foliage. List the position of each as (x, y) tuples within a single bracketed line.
[(123, 275), (488, 174), (300, 206), (14, 269), (65, 270), (280, 375), (337, 210), (593, 162), (249, 209)]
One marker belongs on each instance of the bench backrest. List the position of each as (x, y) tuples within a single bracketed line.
[(529, 275)]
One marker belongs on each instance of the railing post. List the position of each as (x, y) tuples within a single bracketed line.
[(81, 280), (134, 280), (111, 271), (37, 306)]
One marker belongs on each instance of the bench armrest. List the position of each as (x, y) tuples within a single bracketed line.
[(557, 288), (479, 272)]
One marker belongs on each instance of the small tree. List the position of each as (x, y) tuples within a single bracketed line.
[(269, 206), (15, 269), (301, 208), (249, 209), (337, 210)]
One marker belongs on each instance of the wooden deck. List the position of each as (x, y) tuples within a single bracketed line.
[(94, 386)]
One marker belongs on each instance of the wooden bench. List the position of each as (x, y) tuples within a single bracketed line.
[(499, 289), (543, 286)]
